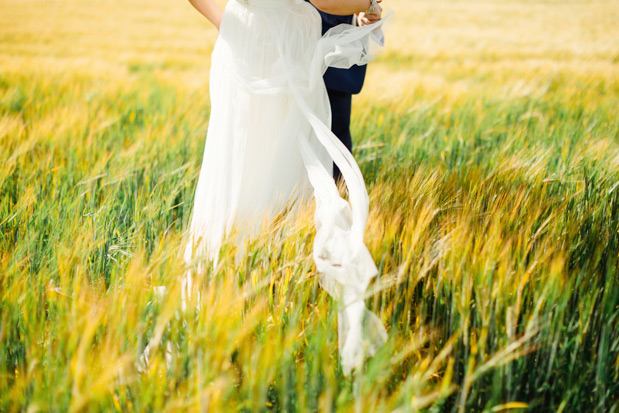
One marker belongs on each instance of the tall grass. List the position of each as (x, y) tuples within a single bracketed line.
[(494, 222)]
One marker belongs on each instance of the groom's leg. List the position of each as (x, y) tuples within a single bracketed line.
[(341, 104)]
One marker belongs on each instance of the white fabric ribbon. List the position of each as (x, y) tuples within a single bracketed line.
[(341, 257)]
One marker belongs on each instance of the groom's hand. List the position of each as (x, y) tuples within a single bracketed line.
[(363, 19)]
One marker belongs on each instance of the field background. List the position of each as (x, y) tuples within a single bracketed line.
[(488, 136)]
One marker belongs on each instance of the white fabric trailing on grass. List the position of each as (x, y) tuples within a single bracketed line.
[(269, 140)]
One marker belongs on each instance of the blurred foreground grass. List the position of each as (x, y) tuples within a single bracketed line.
[(489, 139)]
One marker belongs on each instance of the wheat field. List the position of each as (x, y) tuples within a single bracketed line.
[(487, 133)]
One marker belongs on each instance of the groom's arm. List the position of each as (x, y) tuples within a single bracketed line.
[(342, 7)]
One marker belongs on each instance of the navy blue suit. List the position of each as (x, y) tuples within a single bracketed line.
[(349, 81), (341, 85)]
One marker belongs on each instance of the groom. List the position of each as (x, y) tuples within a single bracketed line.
[(343, 83)]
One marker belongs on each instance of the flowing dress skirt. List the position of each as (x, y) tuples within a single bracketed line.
[(269, 143)]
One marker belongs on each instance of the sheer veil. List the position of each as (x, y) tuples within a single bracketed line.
[(285, 83)]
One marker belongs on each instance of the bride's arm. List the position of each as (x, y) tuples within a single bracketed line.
[(342, 7), (209, 9)]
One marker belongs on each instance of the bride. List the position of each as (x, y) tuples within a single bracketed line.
[(269, 142)]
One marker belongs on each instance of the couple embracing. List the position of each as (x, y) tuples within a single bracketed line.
[(269, 141)]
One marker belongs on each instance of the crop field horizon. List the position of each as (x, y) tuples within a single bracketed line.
[(488, 137)]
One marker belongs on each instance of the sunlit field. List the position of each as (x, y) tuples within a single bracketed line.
[(488, 135)]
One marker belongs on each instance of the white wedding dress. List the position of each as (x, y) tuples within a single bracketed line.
[(269, 143)]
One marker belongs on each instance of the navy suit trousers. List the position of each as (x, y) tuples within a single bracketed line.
[(341, 104)]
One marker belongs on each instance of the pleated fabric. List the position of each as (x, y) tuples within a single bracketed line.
[(269, 144)]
